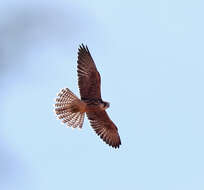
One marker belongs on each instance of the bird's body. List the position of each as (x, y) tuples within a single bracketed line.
[(72, 110)]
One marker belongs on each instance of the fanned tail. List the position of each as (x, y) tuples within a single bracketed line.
[(69, 108)]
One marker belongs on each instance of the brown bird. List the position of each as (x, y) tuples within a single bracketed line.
[(71, 109)]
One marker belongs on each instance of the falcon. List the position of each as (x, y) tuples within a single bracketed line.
[(71, 110)]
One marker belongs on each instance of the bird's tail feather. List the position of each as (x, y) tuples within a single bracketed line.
[(69, 108)]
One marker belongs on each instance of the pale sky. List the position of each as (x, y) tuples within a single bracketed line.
[(150, 57)]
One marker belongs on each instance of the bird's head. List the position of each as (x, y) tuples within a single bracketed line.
[(105, 105)]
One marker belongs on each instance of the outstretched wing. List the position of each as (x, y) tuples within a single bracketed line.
[(104, 127), (89, 79)]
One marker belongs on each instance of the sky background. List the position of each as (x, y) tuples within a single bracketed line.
[(150, 56)]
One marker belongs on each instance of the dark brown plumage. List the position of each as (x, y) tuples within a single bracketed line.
[(72, 110), (89, 79)]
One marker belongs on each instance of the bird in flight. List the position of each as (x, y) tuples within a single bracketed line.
[(71, 109)]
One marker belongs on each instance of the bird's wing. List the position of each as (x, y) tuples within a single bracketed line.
[(104, 127), (89, 79)]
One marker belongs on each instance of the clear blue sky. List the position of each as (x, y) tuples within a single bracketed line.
[(150, 56)]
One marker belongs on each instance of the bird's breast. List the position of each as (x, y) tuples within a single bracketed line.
[(92, 105)]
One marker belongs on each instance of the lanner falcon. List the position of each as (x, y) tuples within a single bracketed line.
[(71, 109)]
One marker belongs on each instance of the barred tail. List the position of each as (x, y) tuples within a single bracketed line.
[(69, 108)]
